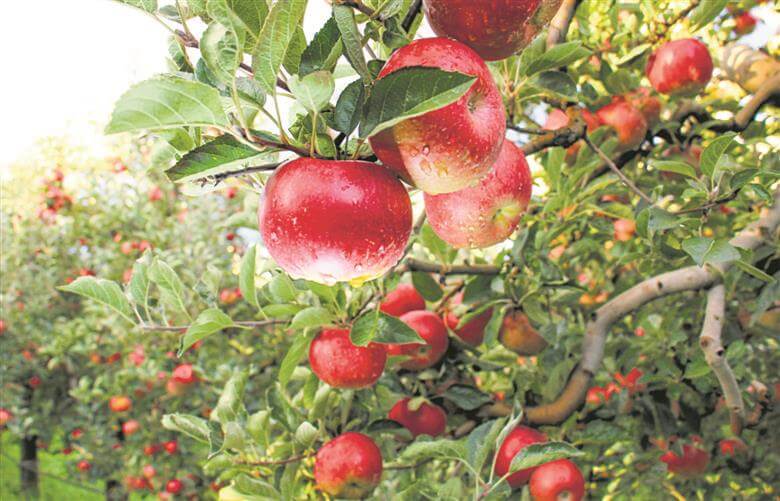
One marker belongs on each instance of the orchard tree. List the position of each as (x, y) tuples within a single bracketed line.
[(451, 228)]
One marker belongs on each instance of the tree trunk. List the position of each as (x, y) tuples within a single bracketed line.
[(114, 491), (28, 466)]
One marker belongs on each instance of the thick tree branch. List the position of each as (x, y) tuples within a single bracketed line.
[(710, 341), (412, 264), (768, 91), (559, 26), (685, 279)]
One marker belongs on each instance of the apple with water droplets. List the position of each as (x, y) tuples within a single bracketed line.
[(403, 299), (422, 419), (337, 361), (421, 356), (349, 466)]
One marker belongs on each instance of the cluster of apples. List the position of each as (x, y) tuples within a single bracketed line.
[(54, 197)]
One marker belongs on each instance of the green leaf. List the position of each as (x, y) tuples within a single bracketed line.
[(223, 154), (675, 166), (221, 50), (697, 368), (410, 92), (254, 487), (561, 55), (139, 283), (379, 327), (536, 454), (660, 219), (697, 247), (352, 40), (714, 151), (705, 13), (427, 286), (346, 115), (557, 83), (323, 51), (314, 316), (246, 277), (146, 5), (282, 289), (103, 291), (292, 57), (192, 426), (298, 350), (276, 35), (209, 322), (752, 270), (230, 406), (167, 101), (243, 16), (493, 326), (432, 242), (706, 250), (481, 441), (170, 285), (467, 398), (423, 448), (314, 90)]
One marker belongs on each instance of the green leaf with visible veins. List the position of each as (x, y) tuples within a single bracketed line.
[(536, 454), (410, 92), (379, 327), (221, 50), (352, 40), (103, 291), (224, 154), (243, 16), (208, 322), (276, 35)]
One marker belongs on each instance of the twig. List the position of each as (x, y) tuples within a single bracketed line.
[(358, 5), (525, 130), (681, 280), (414, 11), (617, 171), (276, 462), (710, 341), (559, 26), (565, 136), (180, 328), (413, 264)]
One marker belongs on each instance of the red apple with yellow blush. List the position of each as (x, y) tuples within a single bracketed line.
[(558, 480), (680, 67), (628, 123), (453, 147), (427, 419), (473, 331), (517, 440), (341, 364), (348, 467)]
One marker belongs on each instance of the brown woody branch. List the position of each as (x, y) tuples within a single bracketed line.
[(685, 279), (710, 341), (564, 137), (559, 26), (414, 11)]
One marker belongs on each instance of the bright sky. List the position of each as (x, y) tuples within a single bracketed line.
[(71, 60)]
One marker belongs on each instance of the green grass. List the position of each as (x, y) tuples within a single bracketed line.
[(48, 464)]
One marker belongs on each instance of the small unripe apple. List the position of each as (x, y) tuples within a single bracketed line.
[(403, 299), (517, 440), (184, 374), (335, 221), (131, 426), (558, 480), (518, 335), (349, 466), (496, 29), (627, 121), (624, 229), (448, 149), (430, 327), (83, 465), (341, 364), (427, 419), (173, 486), (744, 23), (120, 404), (680, 67), (171, 446), (473, 331), (488, 212)]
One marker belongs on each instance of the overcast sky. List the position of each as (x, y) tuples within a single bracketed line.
[(67, 61)]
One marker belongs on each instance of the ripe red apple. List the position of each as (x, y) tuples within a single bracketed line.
[(744, 23), (34, 382), (693, 461), (518, 335), (647, 104), (120, 404), (403, 299), (517, 440), (496, 29), (175, 388), (631, 380), (558, 119), (76, 433), (173, 486), (473, 331), (681, 67), (152, 449), (130, 426), (488, 212), (349, 466), (149, 471), (597, 396), (171, 446), (428, 419), (430, 327), (341, 364), (627, 121), (557, 481), (732, 447), (5, 416), (448, 149), (83, 465), (184, 374), (333, 221), (624, 229), (2, 326)]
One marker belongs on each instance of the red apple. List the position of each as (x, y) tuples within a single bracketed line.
[(2, 326), (120, 404), (627, 121), (647, 104), (428, 419), (403, 299), (487, 213), (517, 440), (34, 382), (681, 67), (597, 396), (558, 119), (76, 433), (130, 426), (184, 374), (155, 194), (496, 29), (83, 465), (171, 446), (430, 327), (149, 471), (624, 229), (335, 221), (341, 364), (151, 449), (744, 23), (518, 335), (732, 447), (5, 416), (349, 466), (693, 461), (173, 486), (473, 331), (557, 481), (175, 388), (451, 148)]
